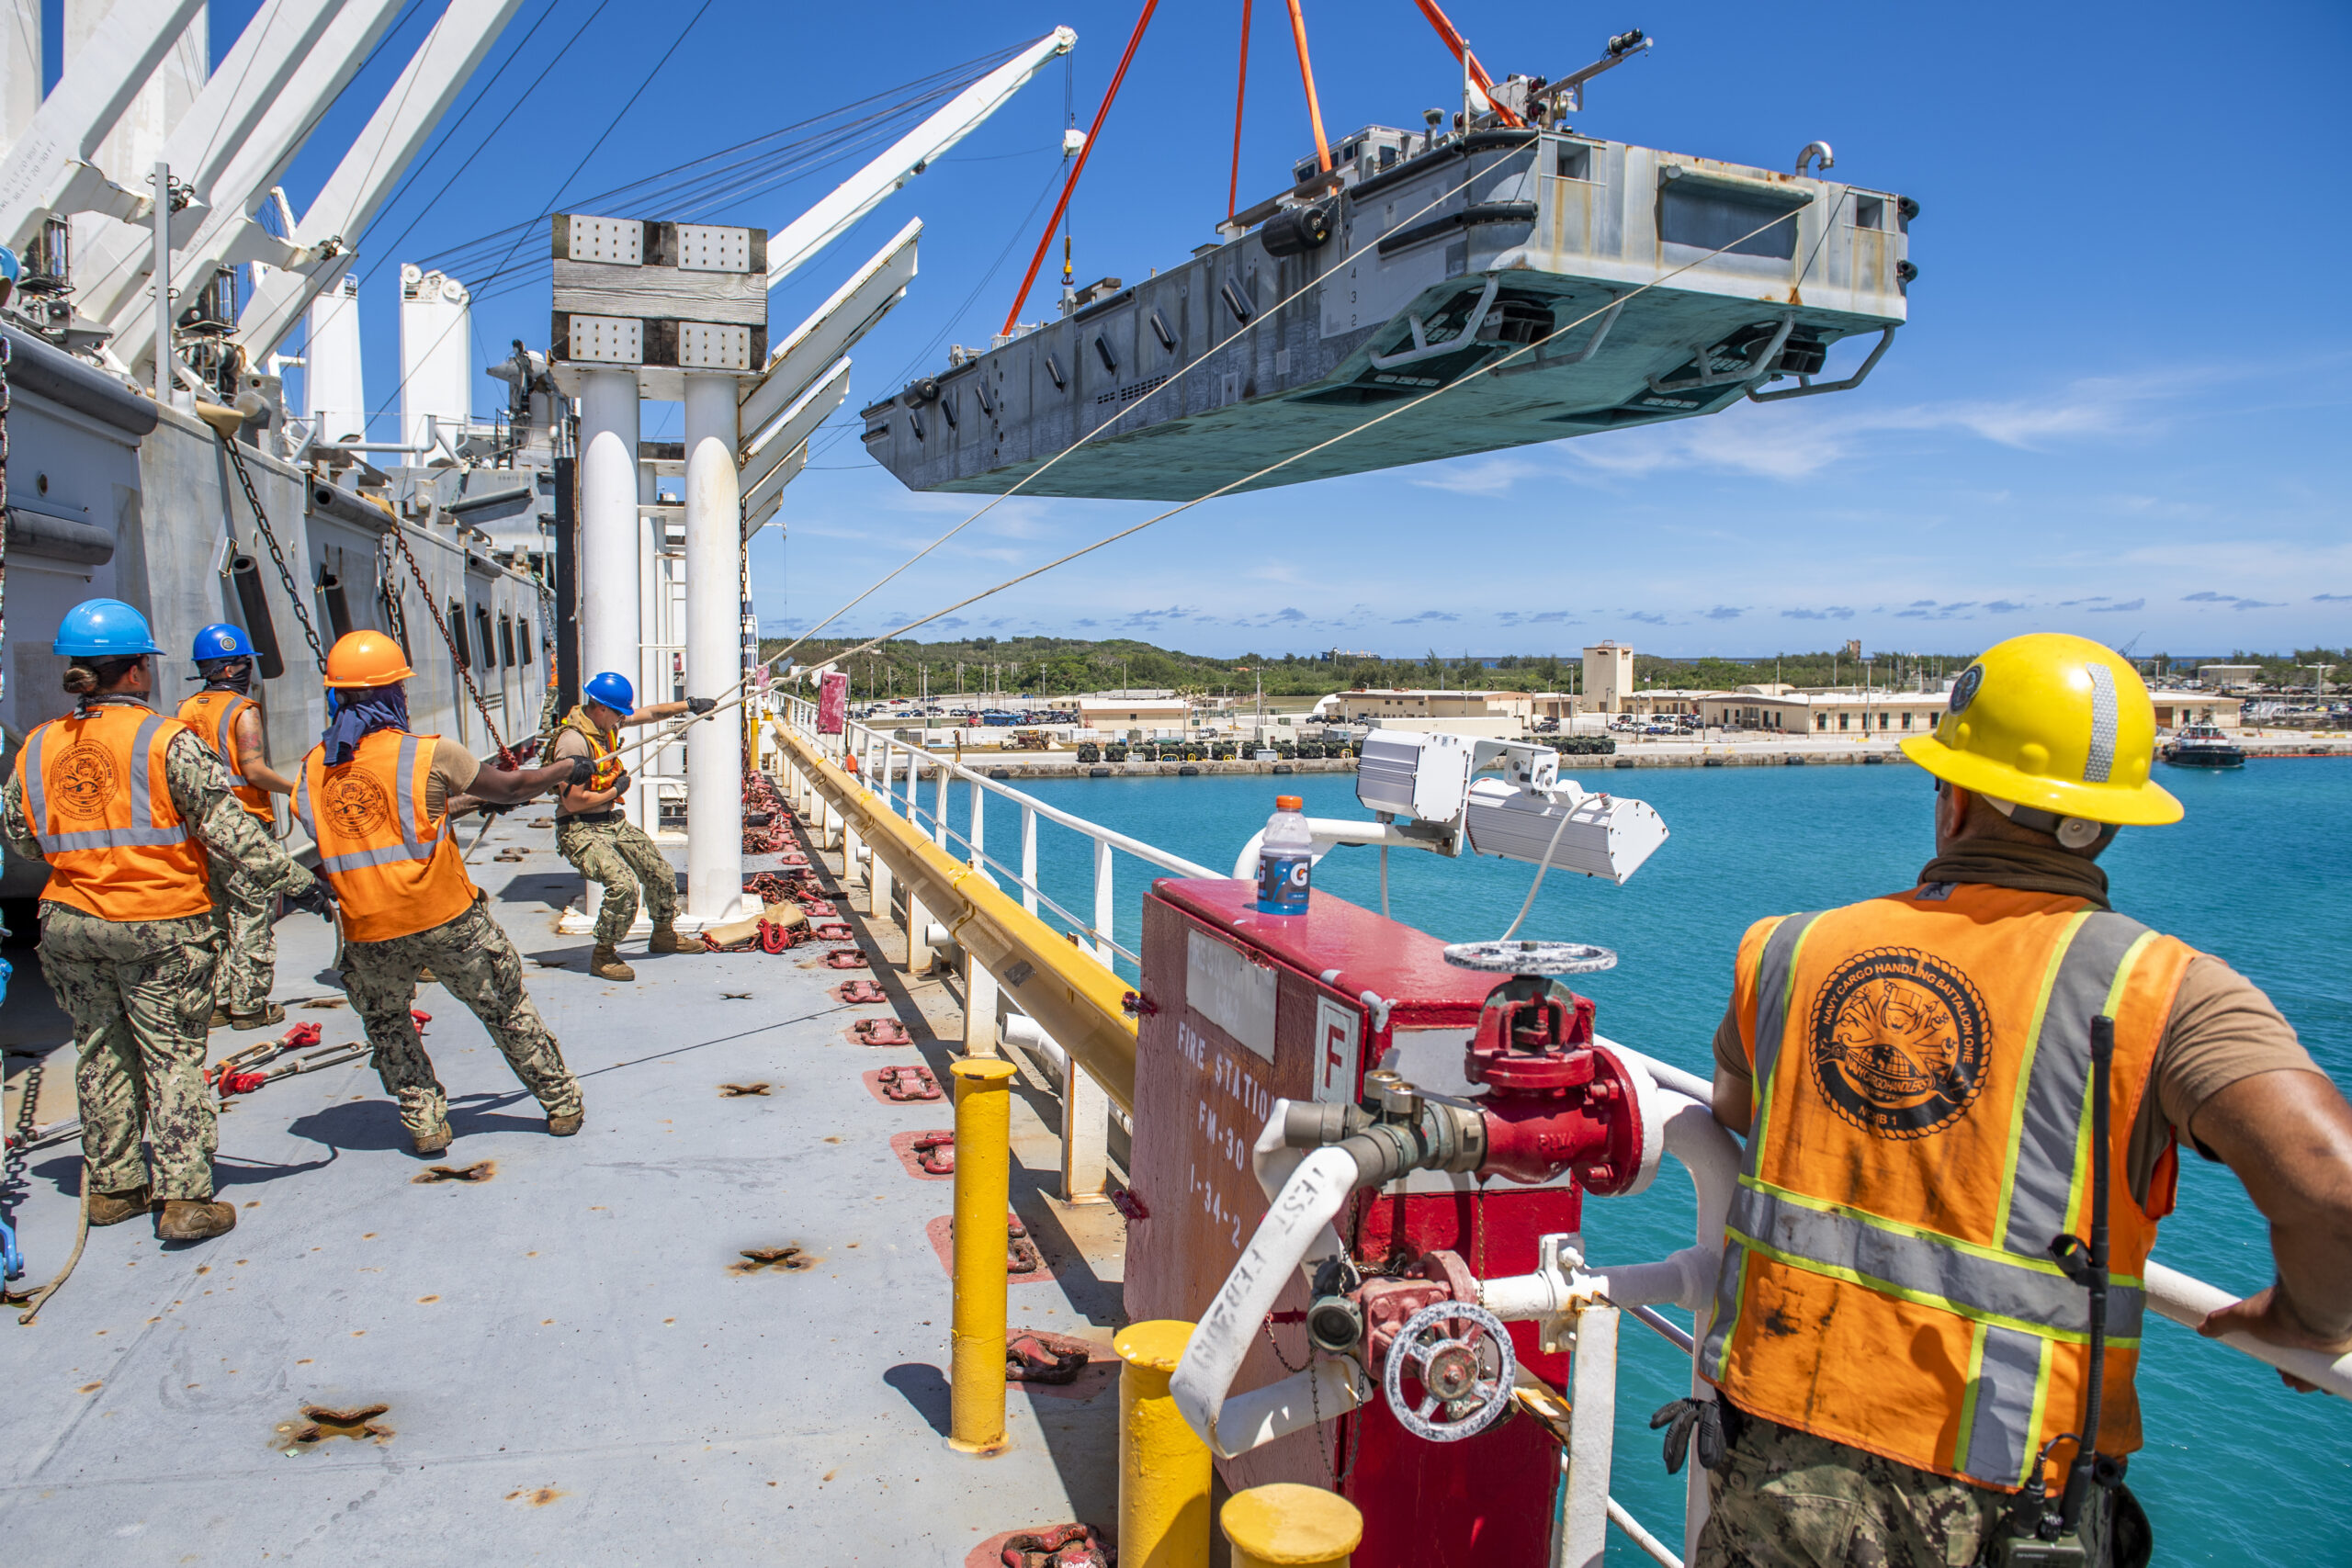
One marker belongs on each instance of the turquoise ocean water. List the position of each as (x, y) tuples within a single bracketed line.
[(2237, 1469)]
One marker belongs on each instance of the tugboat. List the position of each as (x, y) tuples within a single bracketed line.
[(2203, 745)]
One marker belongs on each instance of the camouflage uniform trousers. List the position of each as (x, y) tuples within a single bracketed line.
[(242, 915), (1788, 1499), (619, 854), (140, 994), (474, 961)]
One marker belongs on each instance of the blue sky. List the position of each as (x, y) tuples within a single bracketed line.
[(2119, 408)]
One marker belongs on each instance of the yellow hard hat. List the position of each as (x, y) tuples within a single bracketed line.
[(2054, 723), (367, 659)]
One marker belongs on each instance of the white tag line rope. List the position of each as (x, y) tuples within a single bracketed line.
[(737, 693)]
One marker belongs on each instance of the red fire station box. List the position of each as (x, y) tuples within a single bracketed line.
[(1246, 1009)]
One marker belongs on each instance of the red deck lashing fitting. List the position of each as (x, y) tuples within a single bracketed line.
[(910, 1083), (859, 993), (881, 1031)]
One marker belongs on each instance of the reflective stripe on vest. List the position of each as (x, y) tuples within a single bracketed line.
[(2048, 1142), (224, 738), (36, 800), (1976, 1281), (2016, 1305)]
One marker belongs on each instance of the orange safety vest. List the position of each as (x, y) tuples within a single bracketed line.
[(395, 871), (1921, 1133), (212, 714), (96, 796), (602, 746)]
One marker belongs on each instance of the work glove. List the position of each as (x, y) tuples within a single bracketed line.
[(1684, 1420), (700, 705), (583, 770), (317, 899), (620, 781)]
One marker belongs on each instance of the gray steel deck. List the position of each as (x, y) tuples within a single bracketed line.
[(573, 1373)]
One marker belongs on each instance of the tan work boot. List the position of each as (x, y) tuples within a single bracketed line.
[(270, 1013), (605, 965), (564, 1126), (429, 1144), (667, 940), (220, 1019), (113, 1208), (425, 976), (195, 1219)]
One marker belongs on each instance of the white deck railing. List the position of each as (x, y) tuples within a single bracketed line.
[(898, 773)]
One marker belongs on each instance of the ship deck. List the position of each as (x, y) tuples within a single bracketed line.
[(574, 1362)]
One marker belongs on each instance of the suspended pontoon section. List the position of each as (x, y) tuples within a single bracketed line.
[(1433, 257)]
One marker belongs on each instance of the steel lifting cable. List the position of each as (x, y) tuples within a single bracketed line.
[(269, 536), (506, 759), (1101, 113)]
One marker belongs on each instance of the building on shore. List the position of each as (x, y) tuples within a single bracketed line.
[(1400, 706)]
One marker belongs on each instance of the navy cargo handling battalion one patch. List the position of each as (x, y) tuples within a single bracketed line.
[(1963, 691), (1898, 1041)]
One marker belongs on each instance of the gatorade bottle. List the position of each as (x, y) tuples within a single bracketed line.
[(1286, 857)]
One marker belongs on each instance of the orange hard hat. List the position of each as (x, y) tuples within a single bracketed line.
[(366, 659)]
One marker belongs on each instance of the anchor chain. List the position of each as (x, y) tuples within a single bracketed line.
[(269, 537), (389, 592), (505, 754)]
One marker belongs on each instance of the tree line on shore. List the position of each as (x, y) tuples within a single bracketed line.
[(1050, 666)]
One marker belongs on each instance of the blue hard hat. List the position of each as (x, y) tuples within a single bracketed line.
[(221, 640), (613, 691), (102, 628)]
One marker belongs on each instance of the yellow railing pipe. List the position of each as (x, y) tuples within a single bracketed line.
[(1070, 994), (1287, 1526), (1164, 1464), (983, 1188)]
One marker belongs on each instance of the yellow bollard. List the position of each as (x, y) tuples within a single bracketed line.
[(1163, 1467), (1288, 1526), (983, 1188)]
